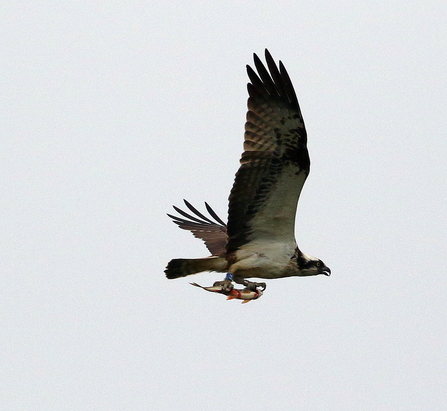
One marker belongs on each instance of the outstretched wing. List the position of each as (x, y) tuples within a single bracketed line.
[(275, 163), (213, 233)]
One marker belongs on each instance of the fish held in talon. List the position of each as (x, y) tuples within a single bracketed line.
[(258, 239), (245, 294), (238, 294)]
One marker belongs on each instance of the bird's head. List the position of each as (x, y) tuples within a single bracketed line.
[(312, 266)]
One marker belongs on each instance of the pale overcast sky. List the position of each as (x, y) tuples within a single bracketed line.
[(113, 111)]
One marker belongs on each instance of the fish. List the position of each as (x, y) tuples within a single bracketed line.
[(239, 294)]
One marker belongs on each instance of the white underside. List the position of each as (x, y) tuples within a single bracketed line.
[(263, 259)]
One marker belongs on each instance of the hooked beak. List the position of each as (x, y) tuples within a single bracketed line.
[(326, 271)]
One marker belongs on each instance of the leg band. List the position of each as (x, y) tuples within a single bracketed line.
[(229, 276)]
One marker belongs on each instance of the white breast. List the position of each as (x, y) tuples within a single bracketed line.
[(262, 259)]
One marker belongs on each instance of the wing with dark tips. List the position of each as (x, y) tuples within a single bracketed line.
[(275, 163), (213, 233)]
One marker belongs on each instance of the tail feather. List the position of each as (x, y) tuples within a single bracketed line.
[(181, 267)]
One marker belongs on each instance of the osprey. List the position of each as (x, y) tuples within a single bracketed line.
[(258, 240)]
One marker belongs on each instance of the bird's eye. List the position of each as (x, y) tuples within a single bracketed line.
[(317, 263)]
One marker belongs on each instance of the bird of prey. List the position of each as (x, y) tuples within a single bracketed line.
[(258, 240)]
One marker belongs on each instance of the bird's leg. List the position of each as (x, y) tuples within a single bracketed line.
[(227, 283), (250, 285)]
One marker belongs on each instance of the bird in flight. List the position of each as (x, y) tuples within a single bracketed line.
[(258, 241)]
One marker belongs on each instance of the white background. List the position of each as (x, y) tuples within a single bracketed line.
[(113, 111)]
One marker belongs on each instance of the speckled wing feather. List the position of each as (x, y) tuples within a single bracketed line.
[(213, 233), (275, 163)]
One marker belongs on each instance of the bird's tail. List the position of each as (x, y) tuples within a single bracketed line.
[(181, 267)]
